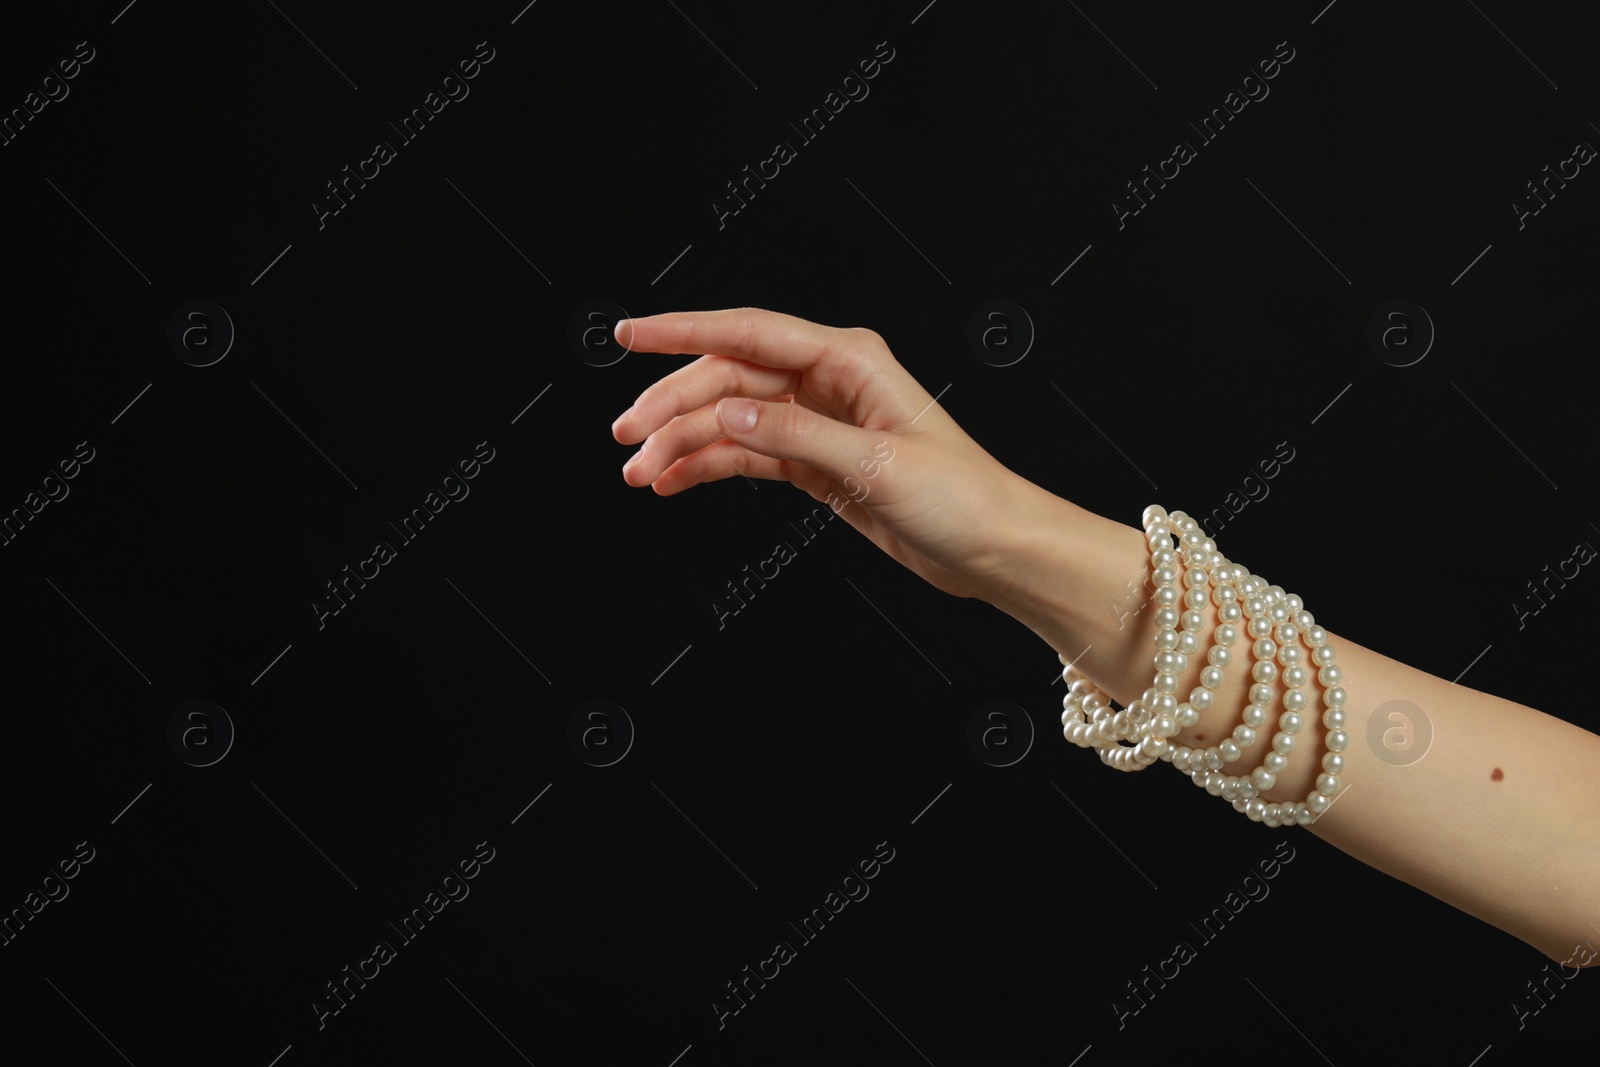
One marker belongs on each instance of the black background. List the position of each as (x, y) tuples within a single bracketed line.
[(773, 754)]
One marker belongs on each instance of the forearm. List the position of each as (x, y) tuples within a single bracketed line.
[(1520, 850)]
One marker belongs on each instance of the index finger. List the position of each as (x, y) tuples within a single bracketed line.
[(769, 338)]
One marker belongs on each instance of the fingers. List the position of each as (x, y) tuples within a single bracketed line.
[(795, 433), (689, 433), (769, 338), (696, 385)]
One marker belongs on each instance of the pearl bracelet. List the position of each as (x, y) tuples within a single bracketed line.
[(1283, 634)]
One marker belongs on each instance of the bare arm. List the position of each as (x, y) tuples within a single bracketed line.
[(1519, 849)]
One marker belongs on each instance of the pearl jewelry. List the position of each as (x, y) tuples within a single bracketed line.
[(1278, 626)]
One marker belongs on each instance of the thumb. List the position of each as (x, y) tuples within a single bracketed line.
[(792, 432)]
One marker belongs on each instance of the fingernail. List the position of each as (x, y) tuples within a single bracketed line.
[(738, 415), (616, 331)]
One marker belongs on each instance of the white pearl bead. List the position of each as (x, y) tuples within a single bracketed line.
[(1255, 716), (1195, 599), (1327, 784), (1166, 683), (1264, 671), (1166, 618), (1187, 716), (1213, 758), (1226, 634), (1152, 515), (1264, 649), (1276, 762), (1193, 620), (1331, 675), (1201, 698), (1316, 636), (1290, 722), (1214, 785), (1294, 602), (1244, 736), (1317, 803), (1166, 596), (1166, 640), (1295, 700), (1163, 704), (1334, 697), (1333, 762), (1230, 613), (1170, 661), (1304, 620), (1263, 779), (1211, 677), (1260, 626), (1185, 523), (1322, 656), (1164, 726), (1269, 814), (1255, 606), (1229, 749), (1334, 718), (1338, 740), (1222, 594), (1255, 808), (1219, 656), (1282, 743), (1288, 814), (1188, 643), (1286, 634), (1295, 677), (1241, 804), (1195, 576), (1291, 655), (1261, 694)]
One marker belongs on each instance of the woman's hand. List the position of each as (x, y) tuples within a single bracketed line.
[(833, 412)]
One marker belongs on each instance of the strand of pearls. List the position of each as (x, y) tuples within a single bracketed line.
[(1284, 636)]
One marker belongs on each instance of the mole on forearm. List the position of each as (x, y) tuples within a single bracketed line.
[(1497, 775)]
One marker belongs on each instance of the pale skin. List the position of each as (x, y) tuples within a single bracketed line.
[(1519, 850)]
